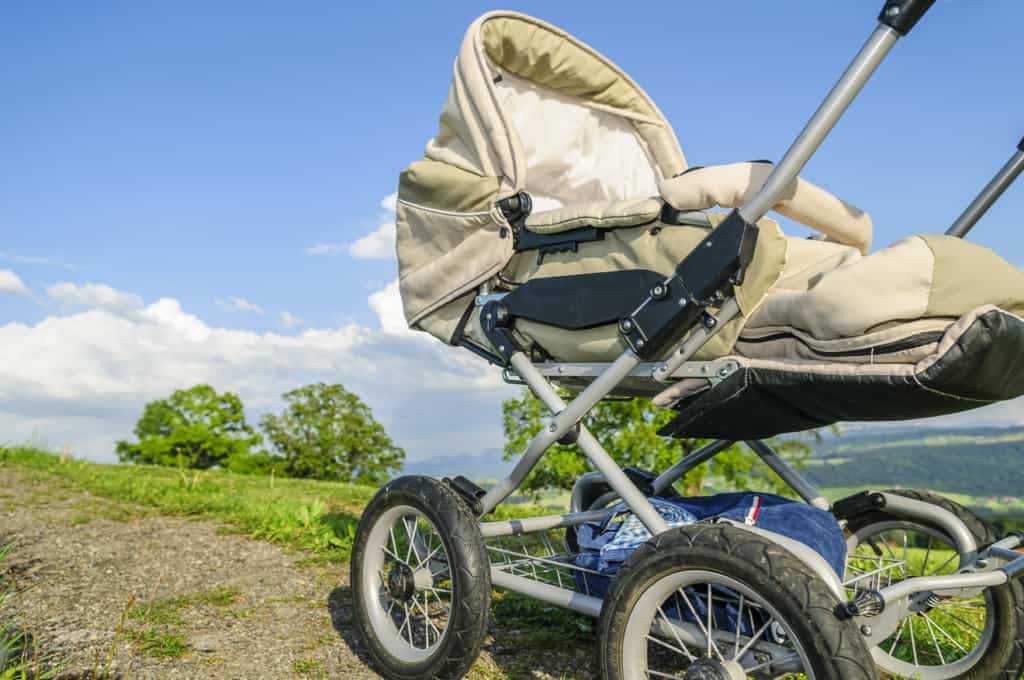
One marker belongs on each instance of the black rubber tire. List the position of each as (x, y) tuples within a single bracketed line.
[(835, 648), (471, 579), (1004, 660)]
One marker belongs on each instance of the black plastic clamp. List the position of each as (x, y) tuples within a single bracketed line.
[(497, 326), (902, 15), (1020, 144), (468, 491), (701, 280), (858, 504)]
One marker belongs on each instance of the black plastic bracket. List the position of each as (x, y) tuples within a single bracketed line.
[(902, 15), (497, 326), (517, 208), (701, 280), (1020, 144), (468, 491), (858, 504)]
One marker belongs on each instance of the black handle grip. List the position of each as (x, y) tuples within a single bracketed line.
[(902, 15), (1020, 144)]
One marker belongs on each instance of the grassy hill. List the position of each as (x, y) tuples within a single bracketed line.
[(985, 464)]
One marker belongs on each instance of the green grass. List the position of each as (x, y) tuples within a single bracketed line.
[(161, 644), (318, 517)]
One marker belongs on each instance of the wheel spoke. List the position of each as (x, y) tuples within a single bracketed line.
[(672, 629), (927, 554), (696, 616), (913, 642), (899, 632), (945, 634), (754, 638), (959, 620), (739, 625), (709, 605), (935, 641)]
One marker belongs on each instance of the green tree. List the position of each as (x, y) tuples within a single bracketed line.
[(628, 430), (193, 428), (326, 432)]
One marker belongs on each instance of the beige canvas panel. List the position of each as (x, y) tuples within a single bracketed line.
[(574, 151), (790, 343), (968, 275), (441, 256), (539, 52), (444, 321), (599, 214), (444, 187), (660, 249), (734, 185), (890, 284)]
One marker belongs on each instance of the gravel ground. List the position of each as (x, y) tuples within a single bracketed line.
[(244, 608)]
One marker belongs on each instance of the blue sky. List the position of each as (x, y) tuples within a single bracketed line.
[(196, 152)]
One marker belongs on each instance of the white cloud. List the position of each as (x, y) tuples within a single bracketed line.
[(378, 243), (33, 259), (11, 283), (95, 296), (100, 366), (387, 305), (237, 304), (326, 249), (289, 320)]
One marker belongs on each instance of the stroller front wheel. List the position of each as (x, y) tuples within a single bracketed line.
[(717, 602), (420, 581), (978, 637)]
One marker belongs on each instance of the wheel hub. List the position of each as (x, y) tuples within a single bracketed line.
[(401, 583), (712, 669)]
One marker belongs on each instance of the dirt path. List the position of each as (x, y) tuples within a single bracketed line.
[(196, 602)]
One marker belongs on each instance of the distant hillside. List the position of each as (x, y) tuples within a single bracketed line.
[(486, 465), (981, 462)]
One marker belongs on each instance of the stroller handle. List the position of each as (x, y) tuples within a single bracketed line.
[(902, 15)]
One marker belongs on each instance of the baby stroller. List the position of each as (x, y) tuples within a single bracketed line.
[(554, 229)]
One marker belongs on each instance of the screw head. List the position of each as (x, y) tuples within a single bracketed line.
[(552, 427), (626, 325), (501, 348), (865, 630), (640, 343), (893, 11)]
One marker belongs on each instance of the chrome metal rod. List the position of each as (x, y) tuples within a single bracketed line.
[(963, 539), (698, 457), (560, 597), (989, 195), (529, 525), (789, 474), (952, 582), (822, 122), (566, 417), (695, 340)]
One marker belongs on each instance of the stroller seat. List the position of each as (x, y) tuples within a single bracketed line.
[(557, 183)]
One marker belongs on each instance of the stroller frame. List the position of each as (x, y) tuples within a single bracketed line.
[(885, 608), (675, 320)]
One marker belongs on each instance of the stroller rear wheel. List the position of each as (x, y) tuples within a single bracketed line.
[(715, 602), (979, 637), (420, 581)]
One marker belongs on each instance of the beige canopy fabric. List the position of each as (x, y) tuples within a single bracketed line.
[(530, 108)]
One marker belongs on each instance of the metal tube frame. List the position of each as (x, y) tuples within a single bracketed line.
[(567, 417), (989, 195)]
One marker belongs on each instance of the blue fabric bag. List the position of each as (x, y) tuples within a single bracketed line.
[(604, 546)]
